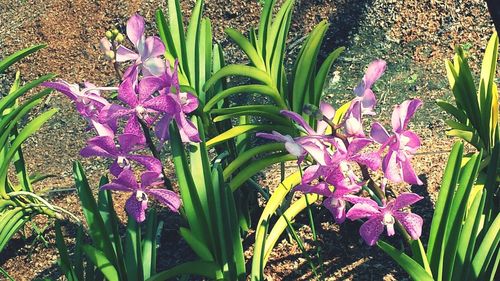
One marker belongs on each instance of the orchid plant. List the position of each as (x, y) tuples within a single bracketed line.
[(338, 160)]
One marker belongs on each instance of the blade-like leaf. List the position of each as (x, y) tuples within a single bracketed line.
[(201, 268), (259, 89), (17, 56), (437, 232), (100, 261), (239, 70), (239, 130), (414, 269)]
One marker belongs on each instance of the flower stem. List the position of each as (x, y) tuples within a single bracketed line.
[(154, 151)]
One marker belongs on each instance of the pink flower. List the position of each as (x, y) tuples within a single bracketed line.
[(385, 216), (137, 203), (104, 146), (148, 49), (180, 104), (401, 146), (364, 92), (88, 102), (315, 143)]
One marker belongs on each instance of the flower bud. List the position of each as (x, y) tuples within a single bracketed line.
[(109, 54), (109, 35), (119, 38), (313, 111), (115, 31)]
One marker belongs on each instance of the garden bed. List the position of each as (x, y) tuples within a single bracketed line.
[(415, 37)]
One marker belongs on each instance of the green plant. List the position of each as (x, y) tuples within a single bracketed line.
[(476, 109), (463, 241), (18, 201), (209, 208), (109, 256)]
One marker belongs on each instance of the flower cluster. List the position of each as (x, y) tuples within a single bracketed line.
[(149, 96), (339, 165)]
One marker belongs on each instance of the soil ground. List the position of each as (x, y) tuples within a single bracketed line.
[(415, 37)]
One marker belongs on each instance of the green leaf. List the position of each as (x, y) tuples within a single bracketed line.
[(468, 237), (239, 130), (276, 43), (414, 269), (9, 100), (441, 212), (235, 109), (275, 118), (265, 25), (198, 247), (64, 261), (149, 245), (111, 221), (487, 248), (97, 229), (133, 250), (164, 32), (305, 68), (247, 47), (17, 56), (246, 156), (457, 213), (26, 132), (259, 89), (319, 81), (177, 33), (193, 45), (190, 198), (201, 268), (451, 109), (283, 221), (239, 70), (100, 261)]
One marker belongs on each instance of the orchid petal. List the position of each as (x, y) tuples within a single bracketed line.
[(135, 29), (403, 113), (370, 230), (379, 134), (167, 198), (153, 67), (411, 222), (299, 120), (136, 208), (100, 146), (125, 54), (406, 199), (154, 47), (361, 210)]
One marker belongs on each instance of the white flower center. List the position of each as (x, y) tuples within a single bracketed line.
[(140, 109), (183, 98), (141, 196), (122, 162), (388, 219), (352, 126)]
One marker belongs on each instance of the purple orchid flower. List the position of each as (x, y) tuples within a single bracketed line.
[(148, 49), (105, 146), (401, 146), (315, 143), (335, 199), (291, 145), (139, 96), (353, 124), (364, 92), (88, 102), (137, 203), (385, 216), (180, 103)]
